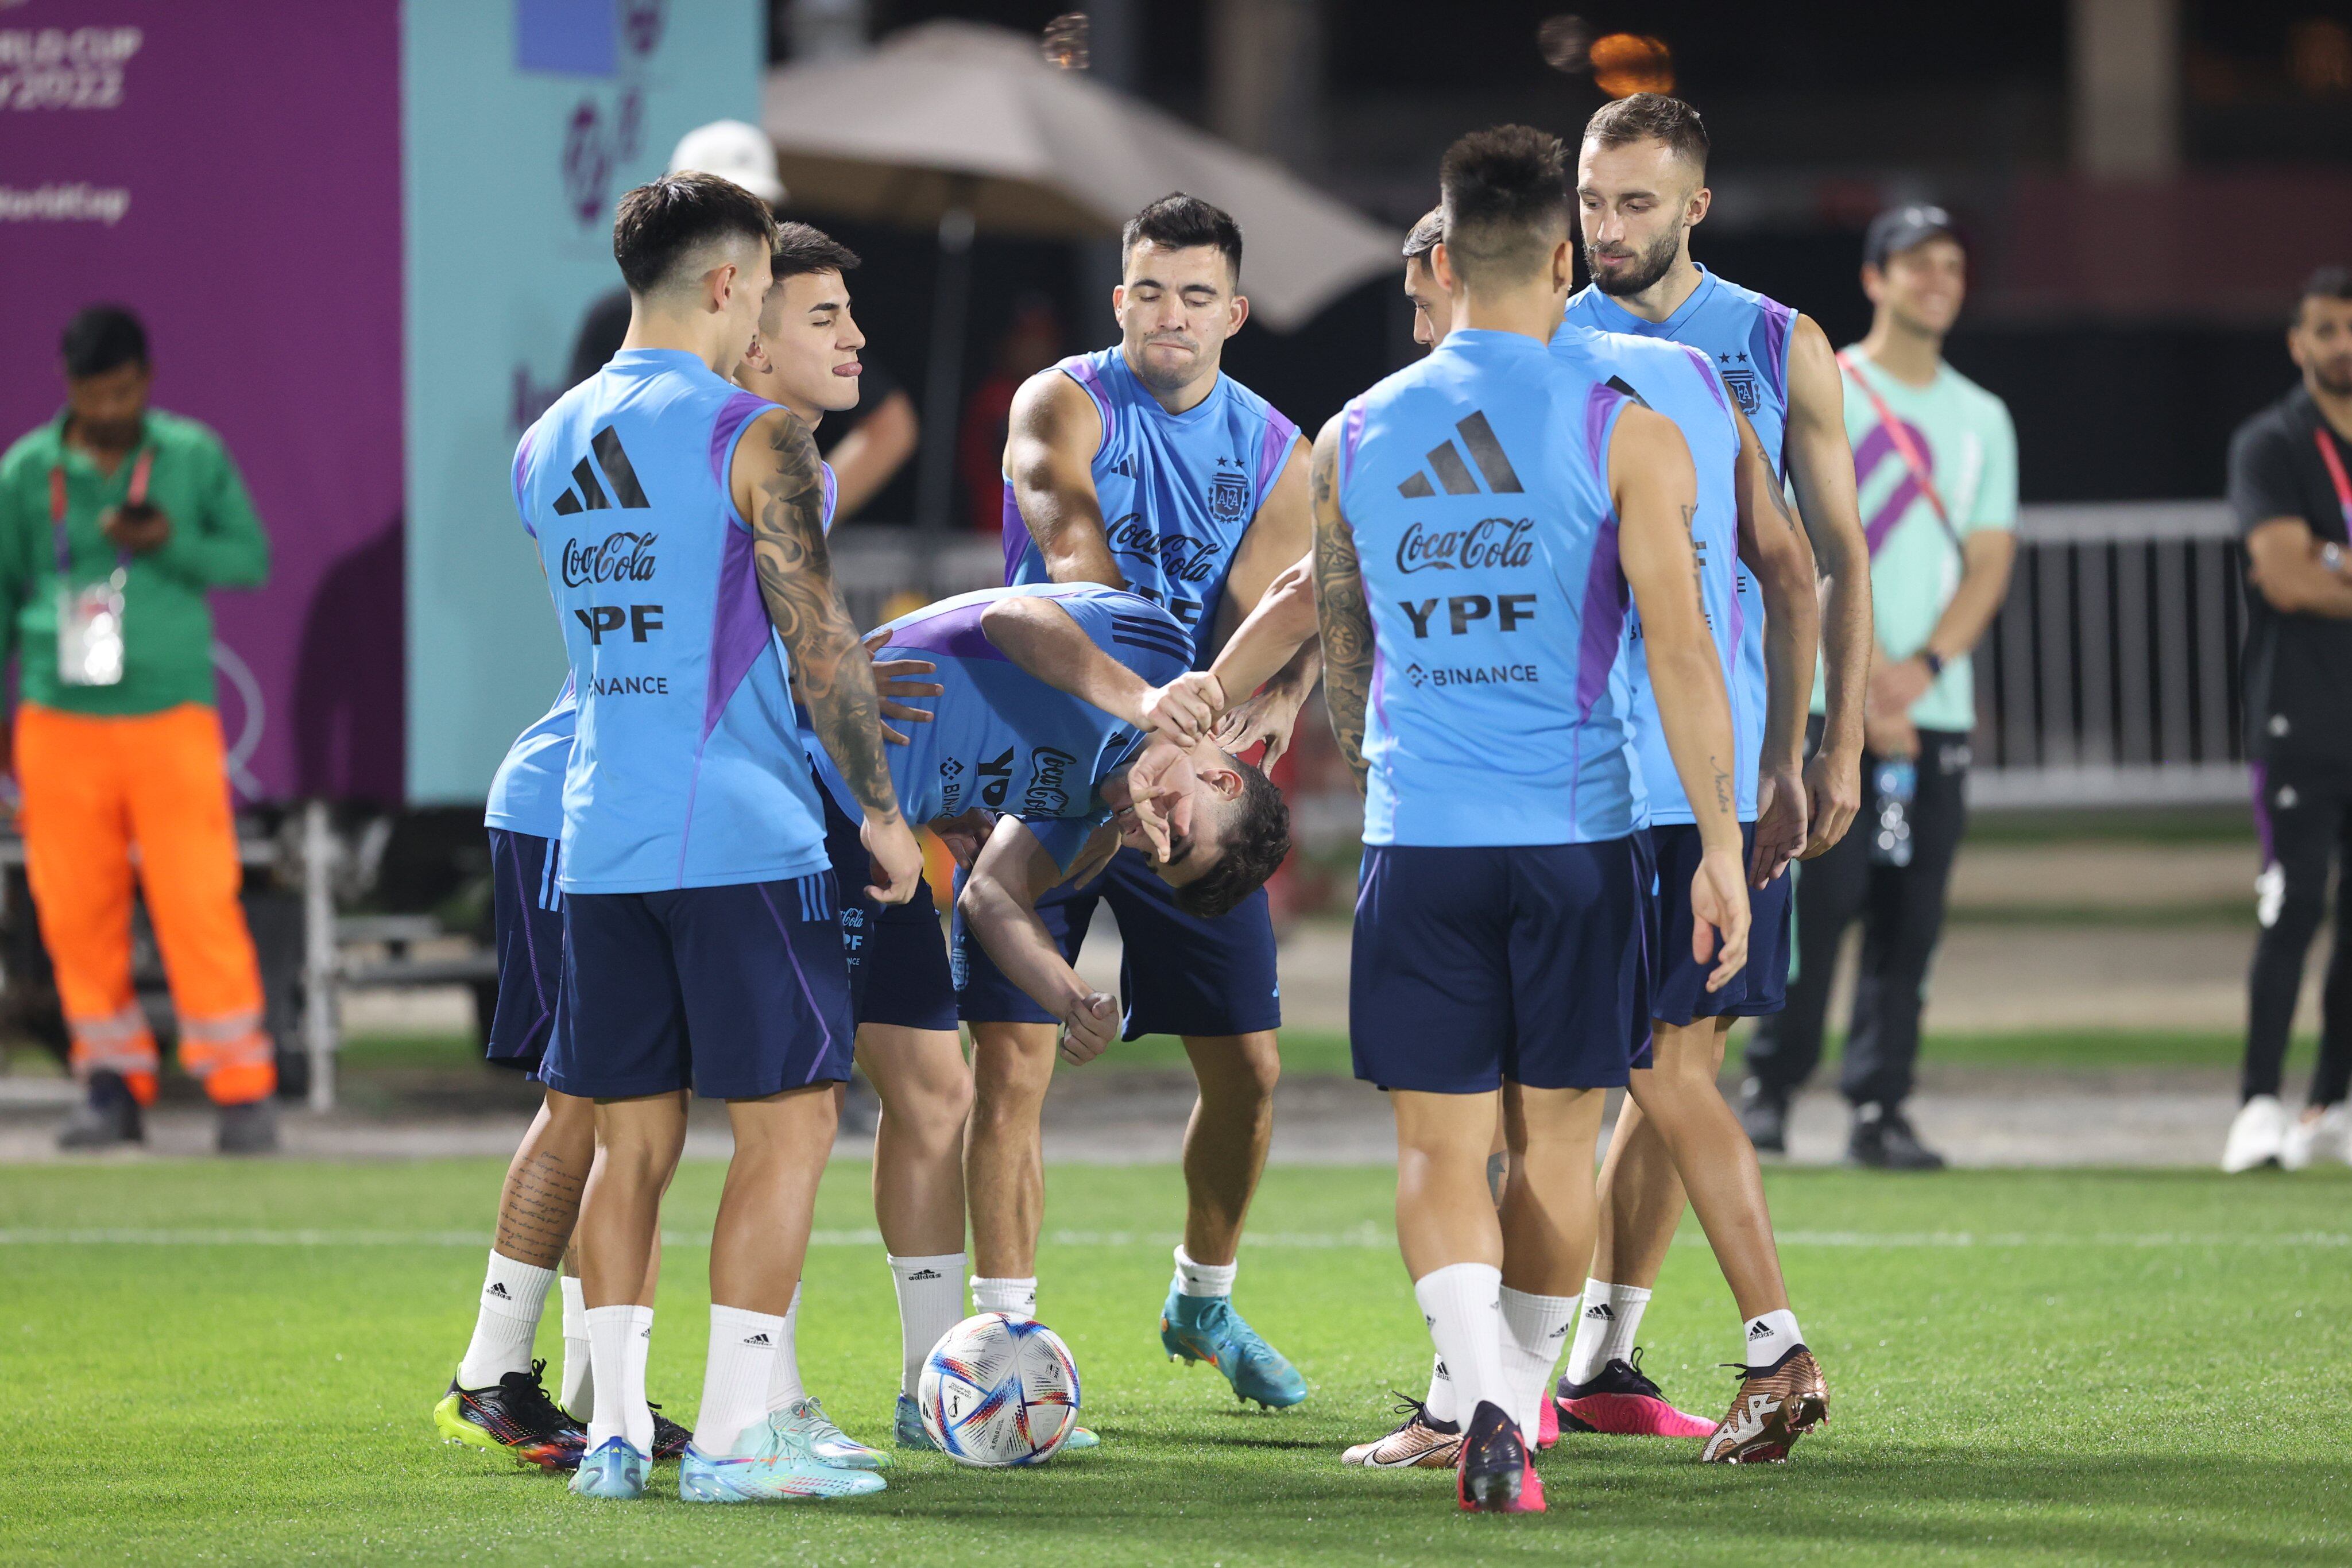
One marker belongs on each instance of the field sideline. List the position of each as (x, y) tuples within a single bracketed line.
[(235, 1363)]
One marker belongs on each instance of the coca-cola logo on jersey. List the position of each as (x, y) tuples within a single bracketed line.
[(1181, 560), (620, 557), (1492, 542)]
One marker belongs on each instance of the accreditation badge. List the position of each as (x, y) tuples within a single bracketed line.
[(89, 633)]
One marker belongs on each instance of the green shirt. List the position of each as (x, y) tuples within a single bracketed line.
[(1970, 446), (167, 627)]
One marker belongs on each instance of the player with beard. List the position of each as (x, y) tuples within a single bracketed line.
[(1143, 466)]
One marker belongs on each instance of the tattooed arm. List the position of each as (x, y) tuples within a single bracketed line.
[(1822, 463), (1050, 441), (1340, 608), (1773, 548), (778, 485), (1655, 491)]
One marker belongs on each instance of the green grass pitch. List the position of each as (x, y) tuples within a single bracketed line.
[(237, 1365)]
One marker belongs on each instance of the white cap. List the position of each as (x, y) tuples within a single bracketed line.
[(732, 150)]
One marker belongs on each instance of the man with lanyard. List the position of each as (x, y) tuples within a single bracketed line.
[(2291, 486), (116, 519), (1934, 460), (1144, 467)]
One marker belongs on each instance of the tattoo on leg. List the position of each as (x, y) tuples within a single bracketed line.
[(542, 1203)]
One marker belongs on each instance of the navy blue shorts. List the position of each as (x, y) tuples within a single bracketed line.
[(735, 992), (527, 909), (898, 954), (1473, 966), (1678, 993), (1180, 974)]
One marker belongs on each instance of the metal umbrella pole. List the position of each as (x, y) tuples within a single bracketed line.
[(943, 386)]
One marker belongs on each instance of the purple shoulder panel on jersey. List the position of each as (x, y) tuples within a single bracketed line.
[(1777, 323), (831, 493), (954, 632), (1604, 582), (1274, 450), (1706, 373), (521, 463), (1080, 367), (1015, 529), (738, 411), (740, 628), (1351, 435)]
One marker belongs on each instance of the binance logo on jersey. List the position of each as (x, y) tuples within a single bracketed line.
[(1446, 462)]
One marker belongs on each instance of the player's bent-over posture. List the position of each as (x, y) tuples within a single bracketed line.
[(496, 1400), (1500, 929), (1143, 466), (697, 899), (1068, 710)]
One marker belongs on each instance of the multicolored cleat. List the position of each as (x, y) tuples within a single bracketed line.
[(828, 1443), (1621, 1402), (909, 1428), (772, 1462), (669, 1438), (615, 1470), (1206, 1328), (1494, 1474), (1420, 1441), (513, 1415), (1776, 1405)]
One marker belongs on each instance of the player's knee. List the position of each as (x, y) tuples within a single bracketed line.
[(1244, 1074)]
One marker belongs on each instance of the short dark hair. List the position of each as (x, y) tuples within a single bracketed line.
[(1505, 198), (102, 337), (1647, 117), (1260, 843), (1179, 222), (802, 248), (1426, 235), (2328, 283), (662, 222)]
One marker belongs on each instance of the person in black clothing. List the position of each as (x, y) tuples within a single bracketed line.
[(2291, 486)]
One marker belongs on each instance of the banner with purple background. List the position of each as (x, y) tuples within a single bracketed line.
[(231, 173)]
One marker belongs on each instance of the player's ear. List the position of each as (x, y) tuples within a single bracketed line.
[(1223, 779), (1695, 211), (1441, 267), (1118, 303), (1236, 313)]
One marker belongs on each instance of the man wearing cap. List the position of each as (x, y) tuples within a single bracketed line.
[(1935, 459), (865, 446), (116, 519)]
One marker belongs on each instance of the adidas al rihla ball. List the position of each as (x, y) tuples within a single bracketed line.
[(999, 1391)]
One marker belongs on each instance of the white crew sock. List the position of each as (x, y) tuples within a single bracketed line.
[(1440, 1403), (507, 1321), (579, 1378), (1461, 1303), (1014, 1298), (930, 1303), (1534, 1330), (1203, 1279), (1770, 1337), (619, 1339), (743, 1346), (1605, 1329), (784, 1389)]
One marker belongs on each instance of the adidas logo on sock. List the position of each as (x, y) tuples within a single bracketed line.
[(924, 1274), (499, 1288), (757, 1339), (1756, 1331), (1600, 1310), (1560, 1333)]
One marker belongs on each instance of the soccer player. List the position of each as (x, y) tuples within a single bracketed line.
[(1144, 467), (697, 898), (1500, 933), (1641, 188), (496, 1400)]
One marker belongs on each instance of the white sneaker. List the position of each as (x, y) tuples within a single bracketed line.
[(2258, 1136), (2326, 1136)]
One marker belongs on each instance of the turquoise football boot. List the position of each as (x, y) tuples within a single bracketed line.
[(829, 1443), (772, 1462), (1206, 1328), (615, 1470), (911, 1432)]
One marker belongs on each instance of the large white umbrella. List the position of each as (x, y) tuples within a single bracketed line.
[(966, 127)]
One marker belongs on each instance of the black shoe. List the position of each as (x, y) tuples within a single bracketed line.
[(1882, 1140), (1764, 1117), (1493, 1475), (669, 1438), (250, 1128), (513, 1415), (107, 1119)]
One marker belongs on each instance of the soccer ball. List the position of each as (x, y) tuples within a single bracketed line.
[(998, 1391)]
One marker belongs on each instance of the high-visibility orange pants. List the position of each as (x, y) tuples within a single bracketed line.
[(92, 788)]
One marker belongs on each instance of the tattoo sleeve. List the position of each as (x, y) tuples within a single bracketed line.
[(1341, 610), (835, 671)]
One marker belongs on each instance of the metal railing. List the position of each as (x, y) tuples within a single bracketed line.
[(2111, 675)]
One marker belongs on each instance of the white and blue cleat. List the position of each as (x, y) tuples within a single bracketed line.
[(772, 1462), (1206, 1328), (829, 1444), (616, 1469)]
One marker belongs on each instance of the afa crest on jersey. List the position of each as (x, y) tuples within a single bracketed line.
[(1743, 387), (1229, 497)]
